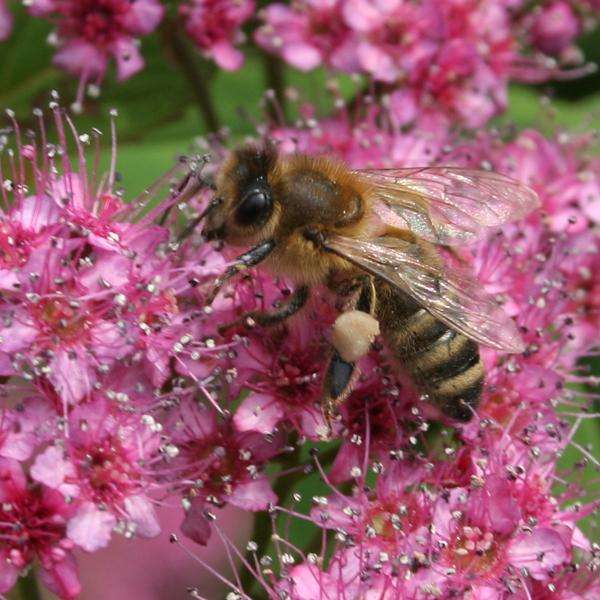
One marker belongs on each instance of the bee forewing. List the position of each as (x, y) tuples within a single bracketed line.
[(451, 297), (450, 205)]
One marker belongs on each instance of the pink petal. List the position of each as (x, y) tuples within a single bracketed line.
[(6, 22), (503, 512), (377, 62), (348, 456), (62, 578), (91, 528), (538, 552), (258, 412), (8, 574), (253, 495), (34, 213), (52, 469), (20, 334), (302, 56), (310, 582), (17, 445), (195, 526), (141, 512), (362, 15), (143, 16), (81, 59), (6, 368), (12, 479), (128, 57), (9, 279), (313, 423), (226, 56), (71, 374), (41, 8), (109, 267)]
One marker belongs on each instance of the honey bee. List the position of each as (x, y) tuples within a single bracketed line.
[(377, 237)]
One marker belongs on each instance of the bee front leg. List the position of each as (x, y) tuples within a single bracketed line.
[(249, 259), (342, 373), (270, 318)]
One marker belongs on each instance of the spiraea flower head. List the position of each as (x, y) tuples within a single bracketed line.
[(214, 26), (89, 33), (457, 56), (96, 311)]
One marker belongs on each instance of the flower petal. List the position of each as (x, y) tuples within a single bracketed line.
[(253, 495), (91, 528), (195, 525), (538, 552), (258, 412), (141, 512), (62, 578)]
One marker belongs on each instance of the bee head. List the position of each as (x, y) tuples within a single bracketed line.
[(246, 206)]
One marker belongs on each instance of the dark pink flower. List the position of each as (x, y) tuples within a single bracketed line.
[(33, 525), (214, 25)]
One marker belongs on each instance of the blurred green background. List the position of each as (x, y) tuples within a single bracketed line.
[(161, 115)]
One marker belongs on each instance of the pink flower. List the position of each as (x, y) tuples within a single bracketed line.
[(102, 466), (285, 378), (6, 21), (307, 34), (214, 25), (212, 464), (89, 33), (555, 27), (34, 526)]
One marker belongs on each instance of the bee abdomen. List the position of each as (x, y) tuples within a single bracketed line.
[(444, 364)]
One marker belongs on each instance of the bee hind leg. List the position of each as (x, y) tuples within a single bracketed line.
[(339, 380), (294, 303), (342, 374)]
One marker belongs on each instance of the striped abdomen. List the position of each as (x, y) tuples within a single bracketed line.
[(442, 363)]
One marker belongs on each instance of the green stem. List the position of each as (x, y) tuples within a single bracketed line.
[(187, 60), (27, 587), (275, 80)]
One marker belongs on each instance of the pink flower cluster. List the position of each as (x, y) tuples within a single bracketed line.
[(122, 392), (102, 416), (456, 54), (91, 32), (214, 26)]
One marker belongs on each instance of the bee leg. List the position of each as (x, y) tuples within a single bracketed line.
[(341, 375), (339, 380), (270, 318), (249, 259)]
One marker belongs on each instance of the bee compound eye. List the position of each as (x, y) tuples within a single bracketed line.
[(255, 207)]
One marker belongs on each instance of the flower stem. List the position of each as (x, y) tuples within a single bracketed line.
[(27, 587), (275, 80), (189, 65)]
